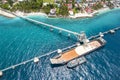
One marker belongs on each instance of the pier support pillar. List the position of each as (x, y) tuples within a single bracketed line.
[(59, 51), (60, 32), (78, 44), (13, 67), (68, 35), (51, 29), (36, 60), (1, 73), (101, 34)]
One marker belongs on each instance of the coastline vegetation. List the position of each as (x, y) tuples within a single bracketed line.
[(28, 6), (5, 6), (97, 6), (34, 6), (48, 1), (63, 10)]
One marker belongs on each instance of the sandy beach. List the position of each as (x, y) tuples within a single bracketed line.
[(37, 13), (83, 15), (6, 14), (103, 10), (30, 14)]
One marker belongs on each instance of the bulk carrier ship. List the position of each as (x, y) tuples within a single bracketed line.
[(86, 47)]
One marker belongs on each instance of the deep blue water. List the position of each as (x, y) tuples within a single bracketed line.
[(21, 40)]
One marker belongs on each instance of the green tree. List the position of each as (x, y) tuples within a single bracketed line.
[(64, 10), (28, 6), (10, 2), (46, 9), (5, 6), (40, 2), (97, 6), (57, 11), (73, 3), (66, 1)]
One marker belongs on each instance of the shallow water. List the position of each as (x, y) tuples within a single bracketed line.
[(21, 40)]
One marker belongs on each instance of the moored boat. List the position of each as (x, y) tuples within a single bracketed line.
[(85, 48), (76, 62)]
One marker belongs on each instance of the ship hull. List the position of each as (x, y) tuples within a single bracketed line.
[(65, 62)]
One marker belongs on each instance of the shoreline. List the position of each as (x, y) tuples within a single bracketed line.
[(77, 15), (107, 10), (30, 14), (86, 15), (6, 14)]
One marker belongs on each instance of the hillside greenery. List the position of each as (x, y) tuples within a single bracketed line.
[(97, 6), (28, 6)]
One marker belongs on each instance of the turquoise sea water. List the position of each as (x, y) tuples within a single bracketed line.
[(21, 40)]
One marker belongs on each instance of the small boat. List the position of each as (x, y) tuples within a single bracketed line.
[(78, 51), (76, 62)]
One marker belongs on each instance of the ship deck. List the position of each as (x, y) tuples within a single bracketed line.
[(79, 51), (68, 55)]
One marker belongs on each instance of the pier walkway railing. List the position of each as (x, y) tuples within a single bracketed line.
[(104, 33), (51, 26), (65, 30), (30, 60)]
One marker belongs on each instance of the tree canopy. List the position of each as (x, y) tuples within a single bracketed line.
[(28, 5), (63, 10)]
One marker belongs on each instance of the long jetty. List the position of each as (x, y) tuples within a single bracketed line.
[(51, 26), (30, 60), (101, 34)]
